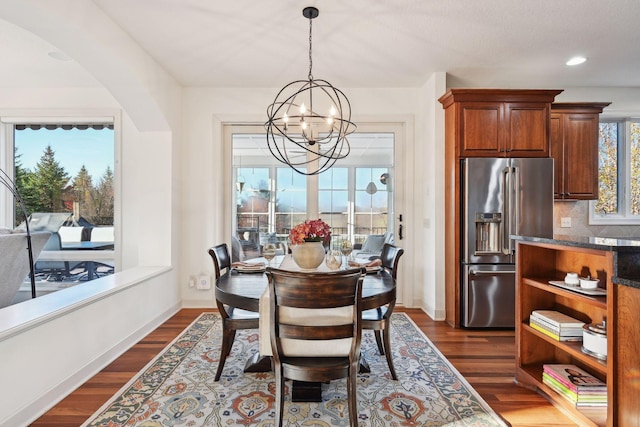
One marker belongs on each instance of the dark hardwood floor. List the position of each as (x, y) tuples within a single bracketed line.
[(485, 358)]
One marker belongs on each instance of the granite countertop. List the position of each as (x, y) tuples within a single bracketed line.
[(603, 243), (626, 257)]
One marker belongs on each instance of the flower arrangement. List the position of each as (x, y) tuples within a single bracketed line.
[(312, 230)]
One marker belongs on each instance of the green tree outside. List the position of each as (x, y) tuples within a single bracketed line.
[(608, 169), (610, 191), (102, 198), (47, 184), (47, 189)]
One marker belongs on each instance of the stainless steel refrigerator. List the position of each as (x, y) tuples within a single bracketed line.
[(500, 197)]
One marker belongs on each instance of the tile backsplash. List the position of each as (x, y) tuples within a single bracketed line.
[(579, 214)]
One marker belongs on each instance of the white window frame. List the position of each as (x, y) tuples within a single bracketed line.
[(8, 119), (312, 181), (623, 217)]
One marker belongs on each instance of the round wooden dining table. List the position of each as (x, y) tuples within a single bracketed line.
[(243, 290)]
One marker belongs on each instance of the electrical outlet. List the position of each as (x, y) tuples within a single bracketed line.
[(565, 222), (204, 282)]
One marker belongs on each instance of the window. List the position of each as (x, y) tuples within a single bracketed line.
[(354, 196), (290, 200), (253, 199), (66, 169), (371, 201), (618, 174), (333, 200), (65, 174)]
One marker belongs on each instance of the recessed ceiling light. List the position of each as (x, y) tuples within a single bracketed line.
[(576, 60), (59, 56)]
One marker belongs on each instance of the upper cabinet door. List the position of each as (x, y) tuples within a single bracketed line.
[(574, 147), (482, 134), (528, 129), (504, 129), (580, 165), (556, 149), (498, 122)]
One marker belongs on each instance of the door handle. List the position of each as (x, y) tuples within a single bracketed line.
[(490, 272)]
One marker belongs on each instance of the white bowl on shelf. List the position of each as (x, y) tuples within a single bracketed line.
[(588, 283), (572, 279)]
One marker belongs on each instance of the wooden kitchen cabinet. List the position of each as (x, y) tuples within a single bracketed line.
[(499, 122), (574, 147), (485, 123), (540, 260), (536, 265)]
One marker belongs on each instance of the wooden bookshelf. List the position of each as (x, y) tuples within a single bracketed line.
[(537, 264)]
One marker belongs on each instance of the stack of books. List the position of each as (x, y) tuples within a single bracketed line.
[(575, 385), (556, 325)]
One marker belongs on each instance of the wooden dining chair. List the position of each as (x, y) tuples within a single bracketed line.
[(379, 319), (233, 319), (315, 330)]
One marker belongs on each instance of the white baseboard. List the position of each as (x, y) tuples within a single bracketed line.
[(199, 304), (431, 311)]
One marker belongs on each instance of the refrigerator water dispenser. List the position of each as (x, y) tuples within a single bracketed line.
[(488, 235)]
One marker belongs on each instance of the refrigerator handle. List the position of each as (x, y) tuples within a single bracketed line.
[(491, 272), (515, 226), (505, 224)]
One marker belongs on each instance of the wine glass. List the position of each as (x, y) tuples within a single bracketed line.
[(269, 252), (333, 260), (346, 248)]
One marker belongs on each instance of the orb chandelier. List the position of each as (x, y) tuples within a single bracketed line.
[(309, 121)]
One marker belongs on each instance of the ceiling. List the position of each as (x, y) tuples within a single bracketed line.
[(360, 43)]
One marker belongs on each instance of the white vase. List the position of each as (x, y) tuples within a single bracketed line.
[(308, 255)]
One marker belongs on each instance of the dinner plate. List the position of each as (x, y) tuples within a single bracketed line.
[(244, 269)]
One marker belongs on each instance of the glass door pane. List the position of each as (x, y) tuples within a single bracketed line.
[(355, 196)]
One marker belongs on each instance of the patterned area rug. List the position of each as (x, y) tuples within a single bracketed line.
[(177, 387)]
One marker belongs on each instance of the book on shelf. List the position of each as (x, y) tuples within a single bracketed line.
[(559, 388), (592, 404), (574, 378), (551, 334), (575, 332), (557, 319), (576, 398), (599, 395)]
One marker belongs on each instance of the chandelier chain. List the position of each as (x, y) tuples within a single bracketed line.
[(310, 57)]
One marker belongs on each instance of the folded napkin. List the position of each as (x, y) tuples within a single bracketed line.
[(374, 263), (248, 265)]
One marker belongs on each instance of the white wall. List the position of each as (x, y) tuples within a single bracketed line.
[(625, 101), (431, 282), (52, 358), (203, 197), (50, 345)]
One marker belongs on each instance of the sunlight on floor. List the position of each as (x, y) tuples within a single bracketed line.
[(544, 416)]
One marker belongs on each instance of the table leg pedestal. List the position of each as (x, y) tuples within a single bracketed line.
[(258, 363), (364, 366), (302, 391)]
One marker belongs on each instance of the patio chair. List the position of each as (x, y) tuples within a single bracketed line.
[(53, 270)]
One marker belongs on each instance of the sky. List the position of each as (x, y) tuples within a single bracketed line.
[(73, 148)]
